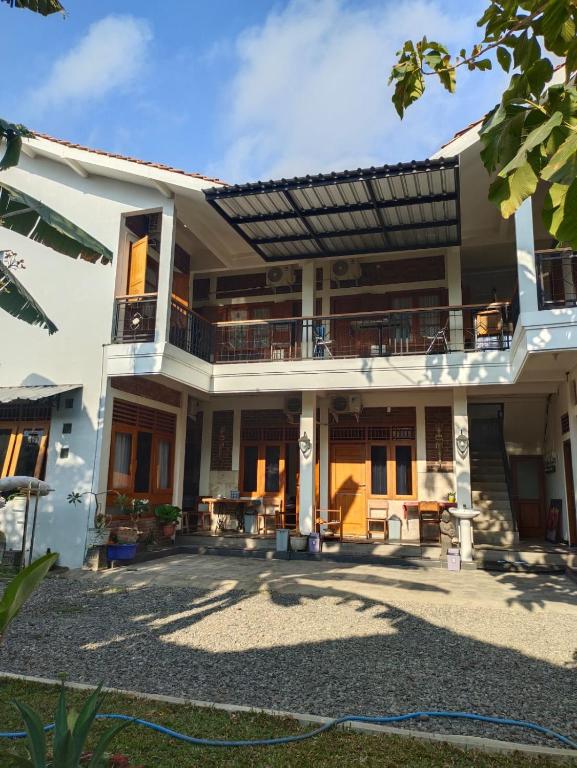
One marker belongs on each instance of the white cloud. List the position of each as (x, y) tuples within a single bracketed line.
[(111, 55), (310, 92)]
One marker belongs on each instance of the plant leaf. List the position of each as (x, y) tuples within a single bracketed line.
[(21, 587), (504, 58), (562, 167), (61, 737), (508, 193), (567, 230), (534, 139), (82, 722), (553, 207), (36, 740)]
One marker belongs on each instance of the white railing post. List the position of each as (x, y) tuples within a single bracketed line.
[(308, 307), (453, 271), (165, 267), (526, 269)]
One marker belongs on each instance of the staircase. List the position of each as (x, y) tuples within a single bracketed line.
[(494, 526)]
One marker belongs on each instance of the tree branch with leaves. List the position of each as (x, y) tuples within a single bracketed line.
[(531, 135)]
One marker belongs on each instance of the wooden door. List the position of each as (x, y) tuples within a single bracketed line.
[(570, 491), (137, 267), (348, 473), (181, 288), (528, 495)]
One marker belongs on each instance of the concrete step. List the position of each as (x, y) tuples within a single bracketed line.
[(489, 557), (489, 487), (495, 499), (503, 537)]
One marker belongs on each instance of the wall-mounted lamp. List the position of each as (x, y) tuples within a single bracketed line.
[(462, 444), (305, 444)]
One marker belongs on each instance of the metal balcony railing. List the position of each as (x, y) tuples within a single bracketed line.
[(134, 318), (432, 330), (424, 331), (190, 331), (556, 278)]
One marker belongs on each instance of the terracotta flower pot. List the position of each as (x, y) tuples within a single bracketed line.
[(168, 530)]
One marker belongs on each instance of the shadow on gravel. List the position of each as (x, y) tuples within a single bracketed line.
[(126, 638)]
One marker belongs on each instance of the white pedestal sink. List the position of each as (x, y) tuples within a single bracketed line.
[(464, 516)]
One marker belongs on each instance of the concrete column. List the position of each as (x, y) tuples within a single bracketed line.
[(421, 439), (324, 462), (236, 439), (572, 411), (204, 479), (307, 463), (462, 461), (308, 306), (453, 272), (165, 267), (526, 270), (179, 450)]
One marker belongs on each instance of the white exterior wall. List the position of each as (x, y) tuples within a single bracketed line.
[(78, 297)]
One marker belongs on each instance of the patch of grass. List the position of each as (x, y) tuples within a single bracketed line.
[(336, 748)]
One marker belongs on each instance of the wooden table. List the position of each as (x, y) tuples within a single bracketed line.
[(217, 505), (413, 506)]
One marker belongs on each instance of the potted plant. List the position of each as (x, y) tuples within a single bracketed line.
[(99, 532), (168, 516), (125, 537), (298, 541)]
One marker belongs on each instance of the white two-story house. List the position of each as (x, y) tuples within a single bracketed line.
[(363, 341)]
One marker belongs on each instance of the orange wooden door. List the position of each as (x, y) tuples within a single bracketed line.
[(348, 467), (180, 287), (137, 267)]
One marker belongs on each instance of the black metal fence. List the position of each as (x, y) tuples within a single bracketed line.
[(432, 330), (556, 278), (191, 332), (134, 319)]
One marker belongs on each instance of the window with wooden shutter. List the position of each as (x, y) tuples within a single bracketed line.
[(137, 267)]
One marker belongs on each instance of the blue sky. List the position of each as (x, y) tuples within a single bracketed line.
[(240, 89)]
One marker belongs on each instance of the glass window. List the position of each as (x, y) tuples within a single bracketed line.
[(122, 460), (272, 469), (143, 461), (29, 451), (379, 470), (163, 467), (250, 467), (404, 470)]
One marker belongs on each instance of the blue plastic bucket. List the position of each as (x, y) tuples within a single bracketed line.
[(121, 551)]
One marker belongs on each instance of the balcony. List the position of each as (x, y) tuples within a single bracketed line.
[(556, 278), (432, 330)]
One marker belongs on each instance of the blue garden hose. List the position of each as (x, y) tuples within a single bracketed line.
[(376, 720)]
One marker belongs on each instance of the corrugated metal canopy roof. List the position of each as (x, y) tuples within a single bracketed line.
[(370, 210), (34, 392)]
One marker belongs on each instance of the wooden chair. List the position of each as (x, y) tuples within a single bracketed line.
[(489, 329), (268, 517), (332, 519), (429, 521), (377, 513)]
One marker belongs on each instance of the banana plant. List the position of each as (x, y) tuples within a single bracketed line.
[(21, 587), (70, 735)]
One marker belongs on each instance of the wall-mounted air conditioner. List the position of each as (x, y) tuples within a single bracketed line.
[(346, 404), (277, 276), (345, 270)]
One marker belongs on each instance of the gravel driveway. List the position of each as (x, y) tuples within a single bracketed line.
[(317, 638)]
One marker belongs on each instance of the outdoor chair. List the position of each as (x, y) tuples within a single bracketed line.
[(321, 342), (429, 521), (268, 518), (332, 520), (376, 520), (439, 336)]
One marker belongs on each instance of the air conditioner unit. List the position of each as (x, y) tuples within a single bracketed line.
[(345, 270), (293, 406), (277, 276), (346, 404)]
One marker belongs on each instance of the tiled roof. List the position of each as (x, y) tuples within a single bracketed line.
[(116, 156)]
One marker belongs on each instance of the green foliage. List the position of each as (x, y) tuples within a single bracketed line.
[(71, 732), (12, 133), (531, 135), (21, 587), (168, 513), (43, 7)]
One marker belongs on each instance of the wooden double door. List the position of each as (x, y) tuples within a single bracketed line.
[(529, 495)]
